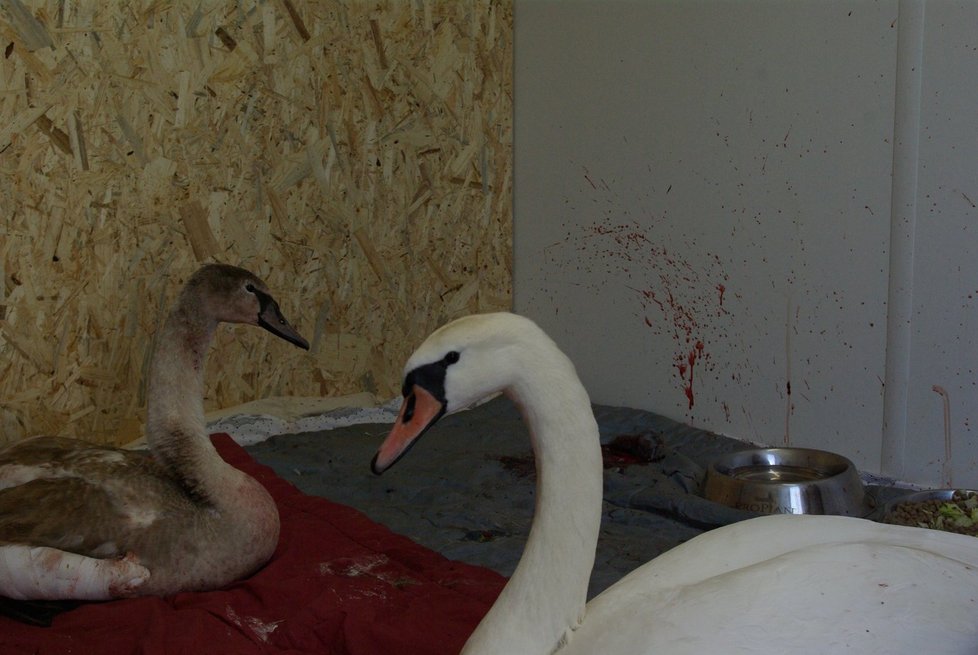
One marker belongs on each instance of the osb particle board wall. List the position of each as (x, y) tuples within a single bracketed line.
[(356, 155)]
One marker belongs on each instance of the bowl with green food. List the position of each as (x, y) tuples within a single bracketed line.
[(950, 510)]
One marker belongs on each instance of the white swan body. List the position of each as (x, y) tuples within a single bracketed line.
[(80, 521), (780, 584)]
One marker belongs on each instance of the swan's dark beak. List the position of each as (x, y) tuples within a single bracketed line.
[(270, 317), (419, 411)]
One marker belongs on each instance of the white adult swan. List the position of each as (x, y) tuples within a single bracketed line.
[(80, 521), (781, 584)]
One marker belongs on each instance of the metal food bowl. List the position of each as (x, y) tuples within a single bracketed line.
[(787, 481)]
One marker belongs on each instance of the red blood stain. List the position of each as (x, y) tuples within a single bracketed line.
[(688, 389), (623, 451), (687, 362), (683, 294), (650, 295)]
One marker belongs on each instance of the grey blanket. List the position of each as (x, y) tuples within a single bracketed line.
[(467, 489)]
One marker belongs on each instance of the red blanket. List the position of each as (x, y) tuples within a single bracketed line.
[(338, 584)]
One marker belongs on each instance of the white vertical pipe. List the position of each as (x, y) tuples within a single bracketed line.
[(903, 219)]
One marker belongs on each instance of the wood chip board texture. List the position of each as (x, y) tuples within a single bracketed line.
[(355, 155)]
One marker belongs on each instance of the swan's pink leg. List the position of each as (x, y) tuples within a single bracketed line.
[(38, 573)]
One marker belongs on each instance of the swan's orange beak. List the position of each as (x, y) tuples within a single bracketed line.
[(419, 411)]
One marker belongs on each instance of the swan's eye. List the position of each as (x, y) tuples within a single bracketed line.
[(250, 288), (451, 357), (410, 401)]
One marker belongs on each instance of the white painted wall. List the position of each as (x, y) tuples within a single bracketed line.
[(714, 180)]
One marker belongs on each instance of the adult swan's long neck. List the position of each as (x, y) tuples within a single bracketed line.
[(175, 429), (545, 597)]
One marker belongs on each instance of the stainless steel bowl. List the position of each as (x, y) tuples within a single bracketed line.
[(787, 481)]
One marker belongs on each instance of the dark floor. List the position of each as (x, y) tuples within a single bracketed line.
[(466, 490)]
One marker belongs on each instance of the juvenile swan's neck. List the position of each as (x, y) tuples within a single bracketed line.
[(545, 597), (175, 429)]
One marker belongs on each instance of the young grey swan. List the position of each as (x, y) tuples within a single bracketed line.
[(779, 584), (79, 521)]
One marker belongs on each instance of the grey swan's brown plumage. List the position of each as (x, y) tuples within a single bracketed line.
[(81, 521)]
